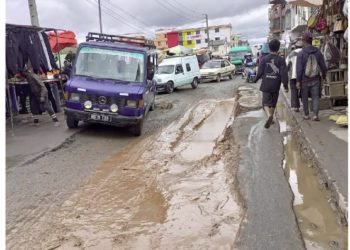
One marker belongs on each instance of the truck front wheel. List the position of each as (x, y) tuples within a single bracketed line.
[(71, 122), (136, 130)]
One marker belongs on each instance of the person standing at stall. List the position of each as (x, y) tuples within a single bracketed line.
[(291, 62), (310, 67), (39, 96)]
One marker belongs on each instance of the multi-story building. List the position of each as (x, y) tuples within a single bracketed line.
[(161, 41), (196, 38)]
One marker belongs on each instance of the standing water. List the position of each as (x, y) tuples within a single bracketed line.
[(316, 219)]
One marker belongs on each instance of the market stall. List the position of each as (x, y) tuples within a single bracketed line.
[(329, 26), (29, 47)]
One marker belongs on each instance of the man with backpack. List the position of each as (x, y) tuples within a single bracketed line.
[(273, 71), (310, 67)]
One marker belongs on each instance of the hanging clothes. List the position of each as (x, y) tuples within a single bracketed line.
[(48, 48), (46, 54)]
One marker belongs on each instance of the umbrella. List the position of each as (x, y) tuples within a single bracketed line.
[(180, 50), (307, 3)]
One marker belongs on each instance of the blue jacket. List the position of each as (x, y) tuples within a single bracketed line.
[(302, 60)]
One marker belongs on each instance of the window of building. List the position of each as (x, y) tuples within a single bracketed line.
[(217, 30), (206, 40), (189, 42), (188, 67), (198, 32), (206, 31), (198, 41), (188, 33), (217, 38)]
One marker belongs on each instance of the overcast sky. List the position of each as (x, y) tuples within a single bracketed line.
[(248, 17)]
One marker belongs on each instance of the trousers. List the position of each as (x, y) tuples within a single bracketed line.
[(312, 90)]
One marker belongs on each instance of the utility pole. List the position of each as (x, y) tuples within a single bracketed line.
[(99, 14), (206, 21), (33, 13)]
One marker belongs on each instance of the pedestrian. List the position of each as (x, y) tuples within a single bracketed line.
[(291, 62), (310, 67), (39, 96), (273, 71)]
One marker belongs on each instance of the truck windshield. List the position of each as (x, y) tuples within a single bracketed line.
[(110, 64), (166, 69), (237, 55)]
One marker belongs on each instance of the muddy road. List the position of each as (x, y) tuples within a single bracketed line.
[(37, 190), (204, 175)]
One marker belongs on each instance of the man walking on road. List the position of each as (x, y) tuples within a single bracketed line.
[(291, 62), (273, 71), (310, 67)]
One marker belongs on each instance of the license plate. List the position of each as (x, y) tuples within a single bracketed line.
[(98, 117)]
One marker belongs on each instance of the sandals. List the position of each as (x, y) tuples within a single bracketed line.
[(268, 122)]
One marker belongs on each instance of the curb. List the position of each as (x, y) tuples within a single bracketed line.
[(337, 200)]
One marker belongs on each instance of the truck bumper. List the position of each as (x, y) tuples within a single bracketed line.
[(113, 119)]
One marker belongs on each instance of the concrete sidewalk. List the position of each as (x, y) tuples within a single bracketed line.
[(328, 144), (29, 142)]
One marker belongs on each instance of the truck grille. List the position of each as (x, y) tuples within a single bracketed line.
[(96, 99)]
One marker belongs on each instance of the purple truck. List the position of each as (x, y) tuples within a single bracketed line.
[(112, 82)]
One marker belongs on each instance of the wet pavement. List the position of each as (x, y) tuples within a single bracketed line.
[(269, 221), (316, 218)]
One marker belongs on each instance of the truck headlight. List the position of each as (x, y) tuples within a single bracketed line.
[(131, 103), (88, 104), (74, 97), (114, 108)]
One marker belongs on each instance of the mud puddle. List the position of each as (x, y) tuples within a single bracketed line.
[(173, 190), (316, 219)]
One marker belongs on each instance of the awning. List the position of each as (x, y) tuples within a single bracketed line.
[(178, 50), (307, 3), (65, 39)]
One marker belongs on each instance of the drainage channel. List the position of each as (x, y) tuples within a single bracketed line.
[(316, 219)]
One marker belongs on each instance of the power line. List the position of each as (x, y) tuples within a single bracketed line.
[(128, 13), (173, 10), (141, 30), (183, 7)]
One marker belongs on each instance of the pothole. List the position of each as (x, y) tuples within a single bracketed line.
[(316, 220)]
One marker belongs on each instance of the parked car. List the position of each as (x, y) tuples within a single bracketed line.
[(216, 69), (174, 72), (112, 82)]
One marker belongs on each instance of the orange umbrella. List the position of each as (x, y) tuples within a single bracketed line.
[(64, 39)]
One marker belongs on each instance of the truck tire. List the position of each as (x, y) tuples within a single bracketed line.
[(194, 83), (71, 122), (218, 78), (170, 87), (136, 129), (152, 107)]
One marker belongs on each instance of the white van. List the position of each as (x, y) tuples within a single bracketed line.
[(174, 72)]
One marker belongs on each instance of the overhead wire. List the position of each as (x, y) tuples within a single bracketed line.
[(129, 14), (175, 12), (186, 8), (179, 9), (120, 19)]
